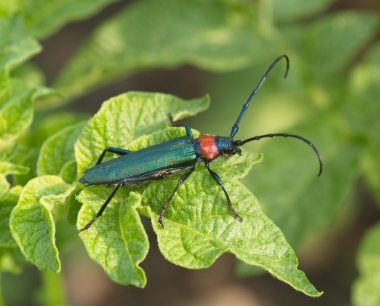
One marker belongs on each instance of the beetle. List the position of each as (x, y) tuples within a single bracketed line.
[(175, 156)]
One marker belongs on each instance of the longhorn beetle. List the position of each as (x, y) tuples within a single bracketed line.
[(176, 155)]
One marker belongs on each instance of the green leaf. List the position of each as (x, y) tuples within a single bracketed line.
[(217, 35), (362, 114), (366, 288), (287, 185), (58, 150), (7, 168), (293, 9), (46, 124), (32, 221), (7, 203), (44, 17), (199, 228), (69, 171), (16, 45), (318, 41), (16, 114), (126, 117), (118, 242)]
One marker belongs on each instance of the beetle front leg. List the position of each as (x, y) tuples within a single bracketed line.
[(216, 177), (112, 150), (180, 181), (101, 210)]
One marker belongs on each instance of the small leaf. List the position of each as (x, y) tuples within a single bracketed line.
[(199, 228), (7, 168), (32, 221), (7, 203), (126, 117), (117, 241), (366, 288), (58, 150)]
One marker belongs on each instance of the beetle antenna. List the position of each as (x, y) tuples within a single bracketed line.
[(241, 142), (235, 127)]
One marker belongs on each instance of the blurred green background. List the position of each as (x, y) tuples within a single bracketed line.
[(93, 50)]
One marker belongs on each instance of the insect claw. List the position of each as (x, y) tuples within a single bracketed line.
[(160, 221)]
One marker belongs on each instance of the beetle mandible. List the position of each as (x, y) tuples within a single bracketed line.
[(176, 155)]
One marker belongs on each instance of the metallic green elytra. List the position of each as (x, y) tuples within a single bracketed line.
[(174, 156), (153, 162)]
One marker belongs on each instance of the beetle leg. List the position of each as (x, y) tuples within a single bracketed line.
[(101, 210), (216, 177), (175, 124), (118, 151), (180, 181)]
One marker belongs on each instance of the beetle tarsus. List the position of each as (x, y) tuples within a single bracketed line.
[(217, 179), (160, 222)]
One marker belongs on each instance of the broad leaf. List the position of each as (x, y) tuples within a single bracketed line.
[(44, 17), (199, 228), (7, 203), (32, 222), (215, 35), (16, 45), (366, 288), (118, 242), (126, 117), (58, 150)]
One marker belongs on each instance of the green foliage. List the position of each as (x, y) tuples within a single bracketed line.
[(32, 222), (366, 288), (197, 214), (332, 86), (119, 243), (215, 35), (44, 17)]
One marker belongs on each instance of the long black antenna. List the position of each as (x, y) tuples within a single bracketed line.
[(235, 127), (241, 142)]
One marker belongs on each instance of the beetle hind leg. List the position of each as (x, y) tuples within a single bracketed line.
[(180, 181)]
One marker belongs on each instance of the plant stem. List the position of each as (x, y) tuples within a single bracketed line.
[(53, 292)]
